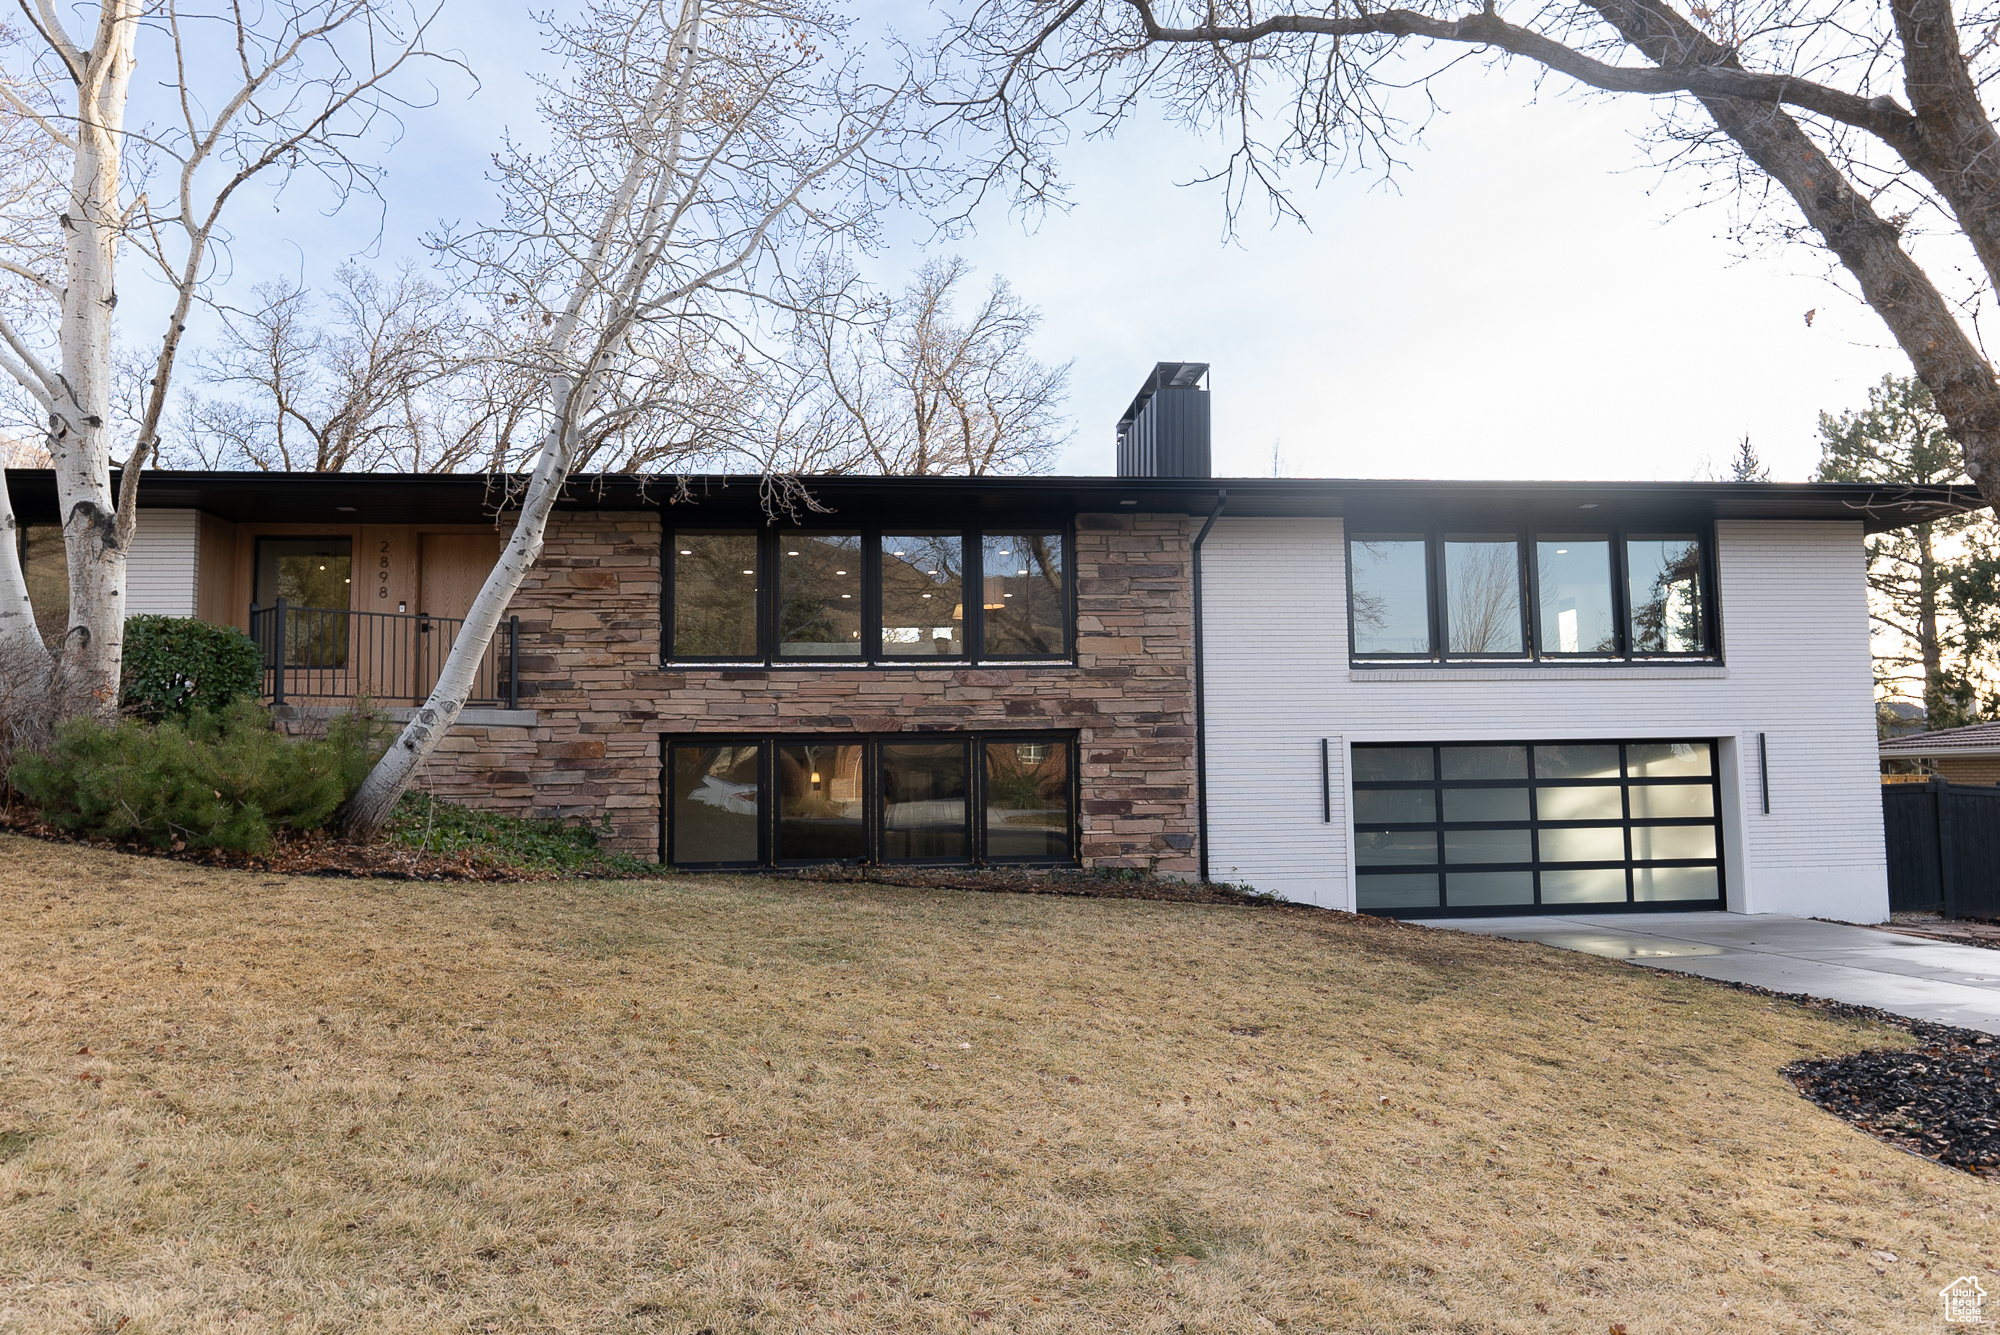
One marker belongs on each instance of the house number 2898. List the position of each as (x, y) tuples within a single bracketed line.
[(382, 575)]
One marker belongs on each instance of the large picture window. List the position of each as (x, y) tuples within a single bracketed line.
[(869, 596), (926, 798), (1471, 597), (1537, 827)]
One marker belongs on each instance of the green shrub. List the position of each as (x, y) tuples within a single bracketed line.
[(176, 666), (211, 781), (549, 847)]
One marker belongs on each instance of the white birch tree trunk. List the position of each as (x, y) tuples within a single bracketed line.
[(20, 639), (80, 415), (370, 807)]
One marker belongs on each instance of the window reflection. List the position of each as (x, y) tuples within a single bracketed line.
[(1390, 586), (1027, 800), (923, 614), (1483, 595), (715, 595), (819, 595), (1023, 595), (821, 811), (1665, 579), (1574, 577), (924, 800), (715, 804), (45, 566)]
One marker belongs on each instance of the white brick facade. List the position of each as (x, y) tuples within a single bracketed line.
[(1796, 669)]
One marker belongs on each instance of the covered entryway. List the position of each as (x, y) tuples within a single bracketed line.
[(1485, 828)]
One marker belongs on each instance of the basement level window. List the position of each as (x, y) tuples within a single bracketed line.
[(869, 596), (944, 799), (1500, 597)]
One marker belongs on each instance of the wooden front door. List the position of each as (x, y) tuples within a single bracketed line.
[(451, 569)]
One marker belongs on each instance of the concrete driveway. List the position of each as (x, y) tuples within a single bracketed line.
[(1927, 980)]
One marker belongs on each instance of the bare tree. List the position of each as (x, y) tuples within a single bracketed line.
[(918, 390), (1803, 97), (386, 382), (256, 92), (691, 150)]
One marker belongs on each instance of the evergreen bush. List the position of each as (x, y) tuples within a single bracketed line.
[(214, 780), (177, 666)]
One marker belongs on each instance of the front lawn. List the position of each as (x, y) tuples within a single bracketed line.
[(246, 1102)]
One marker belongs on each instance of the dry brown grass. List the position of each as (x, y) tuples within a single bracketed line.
[(742, 1104)]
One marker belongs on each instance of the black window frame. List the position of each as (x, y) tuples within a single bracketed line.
[(972, 586), (1618, 535), (1438, 784), (669, 562), (767, 744)]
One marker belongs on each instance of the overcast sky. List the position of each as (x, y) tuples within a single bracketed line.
[(1527, 300)]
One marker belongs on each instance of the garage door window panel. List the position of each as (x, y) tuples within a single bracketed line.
[(1521, 826)]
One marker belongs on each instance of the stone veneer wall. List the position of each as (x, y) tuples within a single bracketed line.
[(590, 635)]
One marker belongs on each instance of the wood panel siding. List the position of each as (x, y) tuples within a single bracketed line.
[(388, 563)]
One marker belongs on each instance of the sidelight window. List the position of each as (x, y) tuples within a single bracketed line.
[(1485, 828)]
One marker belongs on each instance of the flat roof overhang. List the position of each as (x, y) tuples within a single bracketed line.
[(1384, 504)]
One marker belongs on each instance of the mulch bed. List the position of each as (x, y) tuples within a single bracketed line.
[(313, 854)]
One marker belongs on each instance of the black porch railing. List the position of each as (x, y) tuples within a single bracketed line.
[(320, 653)]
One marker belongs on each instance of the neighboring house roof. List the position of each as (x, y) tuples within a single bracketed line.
[(389, 498), (1978, 739)]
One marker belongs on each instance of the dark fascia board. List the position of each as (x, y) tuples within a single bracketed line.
[(1377, 503)]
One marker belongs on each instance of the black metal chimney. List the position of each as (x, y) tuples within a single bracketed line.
[(1165, 431)]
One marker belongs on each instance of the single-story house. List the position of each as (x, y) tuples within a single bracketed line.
[(1402, 697), (1968, 755)]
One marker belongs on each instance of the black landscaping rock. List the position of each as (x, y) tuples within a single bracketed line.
[(1941, 1100)]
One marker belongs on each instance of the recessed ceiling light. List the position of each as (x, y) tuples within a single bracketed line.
[(686, 552), (1591, 506), (1562, 551)]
